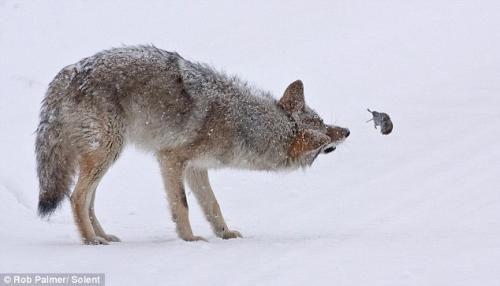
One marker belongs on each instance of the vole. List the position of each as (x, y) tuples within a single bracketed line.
[(383, 120)]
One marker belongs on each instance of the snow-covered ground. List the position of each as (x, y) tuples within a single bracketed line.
[(418, 207)]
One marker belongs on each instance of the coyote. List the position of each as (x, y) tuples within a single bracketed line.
[(189, 115)]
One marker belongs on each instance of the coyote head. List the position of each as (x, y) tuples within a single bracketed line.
[(312, 136)]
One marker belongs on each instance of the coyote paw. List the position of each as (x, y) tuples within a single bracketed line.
[(228, 234), (97, 240), (194, 238), (112, 238)]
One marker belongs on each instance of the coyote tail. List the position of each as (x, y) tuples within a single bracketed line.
[(54, 165)]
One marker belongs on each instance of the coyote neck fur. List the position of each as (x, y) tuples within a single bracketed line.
[(261, 131)]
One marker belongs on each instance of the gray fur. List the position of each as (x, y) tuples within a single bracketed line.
[(55, 166), (166, 105), (383, 120)]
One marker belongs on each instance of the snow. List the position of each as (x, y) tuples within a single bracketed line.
[(418, 207)]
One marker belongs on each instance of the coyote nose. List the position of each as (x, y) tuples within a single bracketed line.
[(347, 133)]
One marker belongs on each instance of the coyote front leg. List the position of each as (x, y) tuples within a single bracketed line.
[(198, 182), (172, 169)]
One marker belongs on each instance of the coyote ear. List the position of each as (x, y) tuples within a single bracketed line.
[(306, 141), (293, 98)]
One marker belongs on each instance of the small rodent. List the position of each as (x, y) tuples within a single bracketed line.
[(383, 120)]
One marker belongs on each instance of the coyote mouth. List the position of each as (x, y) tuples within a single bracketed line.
[(332, 146), (329, 148), (324, 150)]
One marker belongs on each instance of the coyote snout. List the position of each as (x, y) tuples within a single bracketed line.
[(337, 135)]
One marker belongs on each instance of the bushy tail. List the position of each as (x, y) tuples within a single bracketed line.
[(54, 165)]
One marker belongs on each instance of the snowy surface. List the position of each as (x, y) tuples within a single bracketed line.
[(418, 207)]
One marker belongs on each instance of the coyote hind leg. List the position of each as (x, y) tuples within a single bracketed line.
[(93, 165), (99, 231)]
